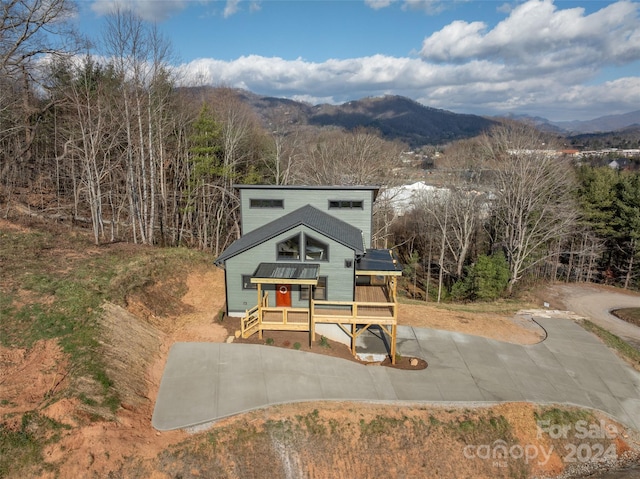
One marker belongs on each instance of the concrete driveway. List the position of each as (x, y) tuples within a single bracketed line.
[(591, 302), (204, 382)]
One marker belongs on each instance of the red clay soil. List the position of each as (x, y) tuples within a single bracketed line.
[(127, 445)]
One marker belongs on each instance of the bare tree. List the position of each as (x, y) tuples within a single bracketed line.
[(237, 126), (466, 184), (533, 203), (432, 208), (91, 138), (29, 30), (286, 149), (348, 158), (139, 55)]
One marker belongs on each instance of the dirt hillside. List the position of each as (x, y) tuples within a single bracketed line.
[(357, 439)]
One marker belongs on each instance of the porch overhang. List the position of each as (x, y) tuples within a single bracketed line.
[(378, 262), (289, 273)]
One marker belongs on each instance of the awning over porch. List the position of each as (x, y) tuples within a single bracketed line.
[(289, 273), (378, 262)]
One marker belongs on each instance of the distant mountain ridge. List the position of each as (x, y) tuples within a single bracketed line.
[(400, 118), (601, 124), (396, 117)]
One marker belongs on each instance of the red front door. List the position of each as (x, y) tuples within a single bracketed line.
[(283, 295)]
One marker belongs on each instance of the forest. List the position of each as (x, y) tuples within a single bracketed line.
[(99, 133)]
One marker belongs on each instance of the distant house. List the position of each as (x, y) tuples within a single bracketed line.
[(570, 152), (304, 262)]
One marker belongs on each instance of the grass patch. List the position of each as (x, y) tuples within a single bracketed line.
[(312, 422), (53, 286), (22, 449), (624, 349), (381, 425), (470, 430), (55, 283), (563, 417), (423, 440), (630, 315), (502, 306)]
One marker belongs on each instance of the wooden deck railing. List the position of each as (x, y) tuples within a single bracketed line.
[(250, 323), (344, 313), (285, 319), (354, 312)]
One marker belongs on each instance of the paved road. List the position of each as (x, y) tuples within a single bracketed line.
[(596, 305), (204, 382)]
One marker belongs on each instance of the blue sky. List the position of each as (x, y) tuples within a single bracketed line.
[(562, 60)]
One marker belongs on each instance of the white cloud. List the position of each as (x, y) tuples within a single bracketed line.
[(538, 33), (231, 8), (255, 7), (478, 86), (378, 4), (429, 6), (150, 10), (540, 60)]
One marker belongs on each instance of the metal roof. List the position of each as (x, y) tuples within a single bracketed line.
[(293, 272), (381, 261), (314, 219)]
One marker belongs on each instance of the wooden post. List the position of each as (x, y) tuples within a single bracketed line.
[(394, 287), (393, 343), (259, 310), (312, 323), (353, 339)]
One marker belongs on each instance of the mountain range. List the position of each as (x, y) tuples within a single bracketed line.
[(400, 118), (396, 117), (603, 124)]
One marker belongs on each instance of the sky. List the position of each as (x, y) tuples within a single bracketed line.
[(561, 60)]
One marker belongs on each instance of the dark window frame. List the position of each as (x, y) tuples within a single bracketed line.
[(326, 248), (304, 290), (247, 285), (346, 204), (300, 247), (266, 203)]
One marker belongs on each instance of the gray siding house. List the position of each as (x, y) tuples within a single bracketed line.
[(304, 262)]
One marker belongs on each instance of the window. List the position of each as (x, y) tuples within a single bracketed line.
[(345, 204), (292, 249), (246, 282), (319, 291), (289, 249), (315, 250), (265, 203)]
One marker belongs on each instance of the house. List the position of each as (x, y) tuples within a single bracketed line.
[(304, 262)]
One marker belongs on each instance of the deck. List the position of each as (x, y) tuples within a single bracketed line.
[(374, 305), (371, 302)]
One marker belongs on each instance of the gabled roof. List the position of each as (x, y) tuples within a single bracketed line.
[(314, 219)]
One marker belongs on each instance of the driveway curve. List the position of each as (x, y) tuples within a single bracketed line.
[(204, 382), (596, 304)]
